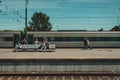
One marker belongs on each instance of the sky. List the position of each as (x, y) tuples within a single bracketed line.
[(64, 14)]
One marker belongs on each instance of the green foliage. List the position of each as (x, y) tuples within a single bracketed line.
[(101, 29), (115, 28), (40, 22)]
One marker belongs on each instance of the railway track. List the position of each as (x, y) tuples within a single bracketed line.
[(59, 76)]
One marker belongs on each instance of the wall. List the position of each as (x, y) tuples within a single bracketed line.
[(58, 65)]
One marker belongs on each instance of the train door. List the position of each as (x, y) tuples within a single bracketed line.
[(16, 38), (30, 39)]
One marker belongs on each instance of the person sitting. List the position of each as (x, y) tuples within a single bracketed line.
[(19, 45), (24, 41), (43, 46), (16, 46), (36, 41), (47, 44)]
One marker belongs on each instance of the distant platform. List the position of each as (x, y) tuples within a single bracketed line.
[(67, 53)]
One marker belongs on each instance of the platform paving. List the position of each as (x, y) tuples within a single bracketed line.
[(67, 53)]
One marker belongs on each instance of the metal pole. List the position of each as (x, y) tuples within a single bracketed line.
[(26, 2), (25, 31)]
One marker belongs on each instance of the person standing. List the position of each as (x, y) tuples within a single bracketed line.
[(86, 44)]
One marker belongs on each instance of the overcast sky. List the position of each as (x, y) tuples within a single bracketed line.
[(64, 14)]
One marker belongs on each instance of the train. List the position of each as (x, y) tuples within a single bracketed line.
[(63, 39)]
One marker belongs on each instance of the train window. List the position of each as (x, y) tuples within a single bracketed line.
[(101, 39), (58, 39), (73, 39), (104, 38), (113, 39), (48, 39), (8, 38), (2, 39), (51, 39), (40, 38), (93, 38), (76, 39), (66, 39)]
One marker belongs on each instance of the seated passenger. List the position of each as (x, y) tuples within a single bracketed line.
[(36, 41), (47, 45), (16, 46), (24, 41), (19, 45), (43, 46)]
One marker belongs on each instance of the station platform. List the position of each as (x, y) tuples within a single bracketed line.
[(62, 60), (67, 53)]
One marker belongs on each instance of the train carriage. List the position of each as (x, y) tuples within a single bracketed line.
[(64, 39)]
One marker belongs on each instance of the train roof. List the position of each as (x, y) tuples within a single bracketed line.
[(62, 32)]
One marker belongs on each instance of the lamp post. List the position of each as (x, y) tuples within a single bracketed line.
[(26, 2), (24, 35)]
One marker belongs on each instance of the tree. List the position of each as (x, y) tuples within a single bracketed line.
[(40, 22), (115, 28), (101, 29)]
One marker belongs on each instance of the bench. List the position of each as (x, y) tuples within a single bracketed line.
[(33, 47), (28, 47), (51, 48)]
